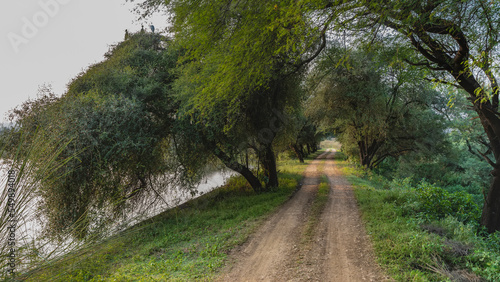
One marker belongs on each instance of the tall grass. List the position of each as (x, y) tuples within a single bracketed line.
[(38, 160), (23, 169)]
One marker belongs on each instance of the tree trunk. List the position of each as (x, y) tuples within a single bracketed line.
[(250, 177), (239, 168), (490, 217), (490, 121), (315, 148), (297, 152), (269, 166), (367, 152)]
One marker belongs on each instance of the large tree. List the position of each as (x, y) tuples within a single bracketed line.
[(458, 43), (118, 116), (241, 61), (231, 132)]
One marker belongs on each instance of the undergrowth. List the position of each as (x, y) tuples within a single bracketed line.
[(422, 232)]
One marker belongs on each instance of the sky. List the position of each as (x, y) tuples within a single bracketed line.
[(51, 41)]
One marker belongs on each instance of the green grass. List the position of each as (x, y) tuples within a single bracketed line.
[(187, 243), (317, 207), (403, 249), (401, 246), (412, 247)]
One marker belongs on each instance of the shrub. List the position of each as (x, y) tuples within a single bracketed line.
[(437, 203)]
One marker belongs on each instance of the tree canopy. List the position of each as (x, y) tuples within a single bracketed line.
[(376, 109), (118, 116)]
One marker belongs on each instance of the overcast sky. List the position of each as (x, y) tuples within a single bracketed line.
[(51, 41)]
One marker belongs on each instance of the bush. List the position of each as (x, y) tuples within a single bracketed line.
[(437, 203)]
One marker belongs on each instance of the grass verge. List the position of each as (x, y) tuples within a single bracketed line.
[(414, 245), (187, 243)]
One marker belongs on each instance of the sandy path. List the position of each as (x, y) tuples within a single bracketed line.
[(338, 251)]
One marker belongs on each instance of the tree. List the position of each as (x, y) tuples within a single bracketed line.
[(458, 43), (118, 115), (376, 109), (306, 139), (261, 117), (239, 61)]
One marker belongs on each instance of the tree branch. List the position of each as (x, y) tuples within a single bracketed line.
[(443, 82), (425, 64), (480, 155)]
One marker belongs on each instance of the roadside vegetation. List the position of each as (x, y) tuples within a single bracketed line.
[(422, 232)]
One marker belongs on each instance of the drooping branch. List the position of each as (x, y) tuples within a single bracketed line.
[(424, 64), (391, 154), (443, 82), (477, 153), (320, 47)]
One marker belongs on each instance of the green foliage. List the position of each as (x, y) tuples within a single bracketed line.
[(401, 247), (437, 203), (422, 232), (118, 115), (410, 242), (219, 32), (377, 110)]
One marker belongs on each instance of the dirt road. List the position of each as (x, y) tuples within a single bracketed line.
[(338, 250)]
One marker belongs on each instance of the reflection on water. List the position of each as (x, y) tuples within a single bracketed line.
[(158, 198), (162, 197)]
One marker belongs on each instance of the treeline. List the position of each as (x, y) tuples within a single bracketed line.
[(238, 83)]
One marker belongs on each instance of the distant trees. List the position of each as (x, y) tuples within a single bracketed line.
[(306, 139), (376, 110)]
